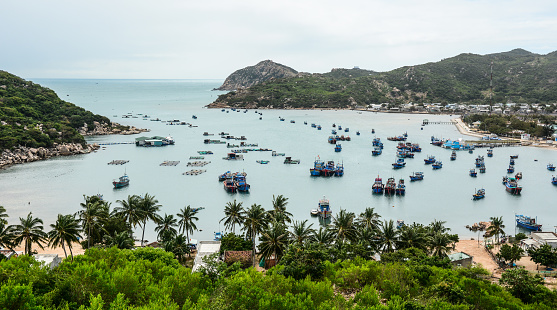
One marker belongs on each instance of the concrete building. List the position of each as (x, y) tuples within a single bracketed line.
[(461, 259), (50, 260), (204, 248)]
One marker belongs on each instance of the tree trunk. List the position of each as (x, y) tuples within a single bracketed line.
[(143, 233), (64, 248), (71, 254), (253, 249)]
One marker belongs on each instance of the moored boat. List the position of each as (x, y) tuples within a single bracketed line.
[(480, 193), (229, 185), (453, 155), (518, 175), (550, 167), (338, 148), (399, 163), (378, 186), (429, 160), (489, 153), (554, 180), (263, 162), (121, 182), (482, 168), (512, 186), (376, 151), (473, 173), (289, 160), (528, 222), (324, 208), (400, 187), (437, 165), (416, 176), (510, 169), (514, 156), (318, 165), (390, 186), (339, 170), (241, 183)]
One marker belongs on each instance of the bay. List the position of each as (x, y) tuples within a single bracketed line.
[(57, 185)]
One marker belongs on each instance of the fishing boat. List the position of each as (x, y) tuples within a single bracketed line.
[(318, 165), (313, 125), (554, 180), (400, 187), (241, 184), (305, 122), (289, 160), (479, 161), (274, 153), (346, 129), (518, 176), (417, 176), (357, 133), (482, 169), (334, 125), (376, 142), (339, 170), (437, 165), (194, 117), (229, 185), (339, 127), (490, 153), (511, 162), (473, 173), (378, 186), (400, 224), (510, 169), (512, 186), (329, 169), (334, 132), (376, 151), (234, 156), (292, 121), (480, 193), (429, 160), (324, 208), (205, 152), (399, 163), (528, 222), (318, 127), (218, 234), (263, 162), (338, 148), (372, 130), (550, 167), (514, 156), (453, 155), (121, 182), (390, 186)]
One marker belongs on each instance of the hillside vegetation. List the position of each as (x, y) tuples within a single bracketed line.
[(518, 76), (34, 116)]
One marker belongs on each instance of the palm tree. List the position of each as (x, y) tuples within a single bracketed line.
[(129, 210), (233, 214), (343, 226), (438, 226), (274, 240), (29, 231), (388, 235), (166, 226), (279, 212), (440, 245), (301, 233), (323, 236), (369, 218), (3, 216), (6, 236), (94, 213), (255, 221), (122, 240), (178, 246), (64, 231), (413, 237), (187, 218), (148, 207), (496, 227)]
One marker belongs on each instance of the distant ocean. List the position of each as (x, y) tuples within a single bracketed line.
[(57, 185)]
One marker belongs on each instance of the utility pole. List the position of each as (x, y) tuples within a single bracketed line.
[(491, 85)]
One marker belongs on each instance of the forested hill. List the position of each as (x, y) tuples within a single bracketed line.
[(34, 116), (518, 76)]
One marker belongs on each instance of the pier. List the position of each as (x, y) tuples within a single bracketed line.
[(493, 143), (118, 162), (170, 163), (428, 122)]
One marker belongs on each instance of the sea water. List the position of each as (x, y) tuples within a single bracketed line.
[(58, 185)]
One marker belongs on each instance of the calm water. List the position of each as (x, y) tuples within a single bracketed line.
[(57, 186)]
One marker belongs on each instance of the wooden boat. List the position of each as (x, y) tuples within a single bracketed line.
[(510, 169), (512, 186), (289, 160), (121, 182), (400, 187), (514, 156), (372, 130), (511, 162), (357, 133), (473, 173), (229, 185), (378, 186), (490, 153), (399, 163), (453, 155), (482, 168), (318, 165), (437, 165), (528, 222), (550, 167), (417, 176), (274, 153), (376, 151), (263, 162), (429, 160), (241, 183), (479, 161), (518, 176), (234, 156), (318, 127), (554, 180), (390, 186), (324, 208), (480, 193), (338, 148), (339, 170), (314, 212)]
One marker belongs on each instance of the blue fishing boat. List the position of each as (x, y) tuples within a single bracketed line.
[(429, 160), (329, 169), (376, 141), (400, 187), (479, 161), (338, 148), (339, 127), (332, 140), (218, 236), (339, 170), (473, 173), (324, 208), (490, 153), (417, 176), (334, 132), (528, 222), (378, 186), (313, 125), (554, 180), (376, 151), (318, 165), (510, 169), (480, 193), (229, 185), (437, 165), (357, 133), (194, 117), (511, 162), (482, 168), (305, 122), (399, 163), (241, 184), (514, 156), (346, 129), (318, 127), (121, 182), (511, 186), (550, 167)]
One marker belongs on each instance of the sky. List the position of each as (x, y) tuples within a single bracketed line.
[(209, 39)]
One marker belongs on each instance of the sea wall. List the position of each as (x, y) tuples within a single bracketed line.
[(24, 154)]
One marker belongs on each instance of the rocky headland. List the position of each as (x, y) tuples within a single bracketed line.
[(261, 72), (22, 154)]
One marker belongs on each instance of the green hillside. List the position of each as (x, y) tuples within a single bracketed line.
[(34, 116), (518, 76)]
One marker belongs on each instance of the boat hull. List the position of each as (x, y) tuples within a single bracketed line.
[(527, 226)]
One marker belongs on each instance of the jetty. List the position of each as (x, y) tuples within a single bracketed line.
[(428, 122), (493, 143), (118, 162), (170, 163)]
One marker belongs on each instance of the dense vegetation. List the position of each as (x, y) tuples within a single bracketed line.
[(34, 116), (512, 125), (518, 76), (328, 268)]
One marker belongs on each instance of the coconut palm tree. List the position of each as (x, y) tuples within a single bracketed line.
[(496, 227), (343, 226), (323, 236), (92, 217), (438, 226), (148, 207), (129, 210), (300, 232), (64, 232), (3, 216), (369, 218), (187, 218), (388, 236), (413, 236), (179, 246), (166, 226), (121, 240), (29, 231), (6, 236), (279, 212), (274, 241), (440, 245), (255, 221), (233, 215)]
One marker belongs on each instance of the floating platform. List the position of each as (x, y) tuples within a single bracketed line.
[(198, 163), (197, 157), (194, 172), (170, 163), (118, 162)]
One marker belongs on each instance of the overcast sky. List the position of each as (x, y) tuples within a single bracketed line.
[(182, 39)]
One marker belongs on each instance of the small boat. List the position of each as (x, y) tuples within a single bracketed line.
[(234, 156), (281, 119), (429, 160), (346, 129), (482, 169), (400, 187), (417, 176), (399, 163), (372, 130), (514, 156), (324, 208), (510, 169), (339, 127), (334, 132), (121, 182), (289, 160), (473, 173), (479, 161), (528, 222), (357, 133), (313, 125), (550, 167), (274, 153), (378, 186), (318, 127), (305, 123), (518, 176), (218, 234), (437, 165), (512, 186), (339, 170), (554, 180), (453, 155), (376, 151), (314, 212), (511, 162), (480, 193), (400, 224), (334, 125), (390, 186), (229, 185), (262, 162), (338, 148), (332, 140), (194, 117), (490, 153), (241, 183), (292, 121)]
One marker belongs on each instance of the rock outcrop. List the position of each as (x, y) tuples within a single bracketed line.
[(112, 129), (261, 72), (24, 154)]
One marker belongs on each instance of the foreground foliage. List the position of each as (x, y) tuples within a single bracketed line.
[(149, 278)]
